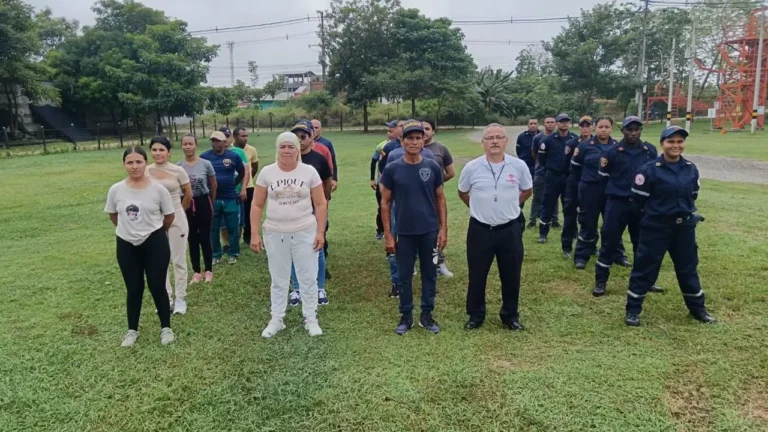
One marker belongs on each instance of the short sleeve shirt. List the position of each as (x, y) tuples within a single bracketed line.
[(319, 163), (198, 176), (414, 188), (251, 156), (226, 166), (494, 188), (244, 159), (289, 197), (172, 177), (140, 212), (441, 153)]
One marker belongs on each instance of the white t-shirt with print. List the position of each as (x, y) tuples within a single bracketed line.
[(140, 212), (289, 197)]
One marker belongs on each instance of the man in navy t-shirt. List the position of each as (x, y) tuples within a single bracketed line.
[(229, 170), (416, 184)]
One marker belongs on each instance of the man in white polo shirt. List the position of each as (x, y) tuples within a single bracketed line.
[(494, 186)]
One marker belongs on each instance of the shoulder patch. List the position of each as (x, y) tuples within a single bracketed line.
[(658, 163), (639, 179), (543, 146), (591, 143), (621, 148), (567, 150), (603, 162), (576, 152), (688, 163), (645, 148)]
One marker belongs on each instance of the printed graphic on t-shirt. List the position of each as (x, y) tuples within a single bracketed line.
[(132, 211), (511, 179), (227, 162), (425, 173), (287, 192)]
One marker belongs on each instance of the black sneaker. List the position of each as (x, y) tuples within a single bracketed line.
[(632, 319), (624, 262), (599, 290), (394, 292), (567, 254), (426, 322), (531, 224), (704, 317), (556, 224), (406, 322), (542, 240), (581, 265), (656, 289), (513, 324)]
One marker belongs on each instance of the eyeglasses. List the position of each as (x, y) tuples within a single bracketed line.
[(497, 138)]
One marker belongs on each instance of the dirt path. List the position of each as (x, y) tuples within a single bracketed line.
[(711, 167)]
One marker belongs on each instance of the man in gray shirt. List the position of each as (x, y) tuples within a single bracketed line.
[(443, 158)]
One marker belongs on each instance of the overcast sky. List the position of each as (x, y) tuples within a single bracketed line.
[(294, 54)]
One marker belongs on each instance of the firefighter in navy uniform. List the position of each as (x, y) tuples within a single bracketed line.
[(618, 165), (555, 156), (590, 188), (666, 190), (571, 198)]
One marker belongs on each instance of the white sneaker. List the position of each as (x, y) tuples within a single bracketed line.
[(180, 307), (313, 328), (443, 270), (273, 327), (167, 336), (129, 339)]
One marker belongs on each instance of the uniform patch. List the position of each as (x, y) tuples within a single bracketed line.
[(511, 178), (425, 174), (567, 150), (576, 152), (603, 162), (621, 148), (639, 179), (227, 162), (543, 146), (658, 163)]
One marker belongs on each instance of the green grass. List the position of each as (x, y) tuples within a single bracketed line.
[(577, 367)]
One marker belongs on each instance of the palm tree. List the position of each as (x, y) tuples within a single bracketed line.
[(493, 88)]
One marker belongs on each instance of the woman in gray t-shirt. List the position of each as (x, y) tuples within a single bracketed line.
[(142, 211), (200, 213)]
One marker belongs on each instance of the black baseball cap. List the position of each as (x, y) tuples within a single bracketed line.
[(673, 130), (225, 130)]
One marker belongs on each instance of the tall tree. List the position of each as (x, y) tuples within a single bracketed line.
[(585, 52), (430, 57), (534, 59), (25, 38), (358, 45), (493, 89), (253, 73)]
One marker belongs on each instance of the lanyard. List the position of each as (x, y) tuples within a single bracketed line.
[(495, 179)]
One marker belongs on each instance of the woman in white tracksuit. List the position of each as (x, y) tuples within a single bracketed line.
[(292, 233), (176, 180)]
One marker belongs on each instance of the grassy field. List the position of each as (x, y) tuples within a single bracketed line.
[(576, 367)]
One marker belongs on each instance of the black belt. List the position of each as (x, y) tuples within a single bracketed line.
[(494, 227), (669, 220)]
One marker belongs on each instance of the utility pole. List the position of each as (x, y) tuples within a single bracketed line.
[(671, 82), (323, 62), (756, 99), (688, 110), (641, 69), (231, 45)]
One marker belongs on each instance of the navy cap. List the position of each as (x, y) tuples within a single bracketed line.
[(412, 126), (391, 124), (225, 130), (673, 130), (562, 117), (631, 119), (304, 126)]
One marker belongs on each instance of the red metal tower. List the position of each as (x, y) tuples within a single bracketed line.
[(737, 78)]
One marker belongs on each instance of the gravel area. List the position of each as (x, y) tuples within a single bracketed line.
[(711, 167)]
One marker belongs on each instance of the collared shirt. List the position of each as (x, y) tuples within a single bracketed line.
[(585, 162), (666, 188), (523, 149), (539, 169), (554, 154), (494, 188), (619, 164)]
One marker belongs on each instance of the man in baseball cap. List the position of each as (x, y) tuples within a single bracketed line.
[(563, 117), (631, 120)]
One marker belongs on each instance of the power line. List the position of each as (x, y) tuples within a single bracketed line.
[(274, 24)]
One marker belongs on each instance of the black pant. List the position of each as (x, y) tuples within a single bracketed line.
[(409, 247), (379, 224), (483, 244), (247, 208), (151, 258), (199, 217)]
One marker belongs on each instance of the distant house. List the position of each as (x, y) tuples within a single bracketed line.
[(296, 84)]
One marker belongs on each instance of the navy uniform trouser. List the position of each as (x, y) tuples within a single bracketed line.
[(658, 237), (556, 185), (592, 203), (409, 247), (620, 214)]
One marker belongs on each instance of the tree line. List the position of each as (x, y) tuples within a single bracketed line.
[(136, 63)]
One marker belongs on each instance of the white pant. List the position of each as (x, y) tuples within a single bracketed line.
[(296, 247), (177, 237)]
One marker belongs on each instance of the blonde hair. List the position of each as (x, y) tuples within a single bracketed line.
[(290, 138)]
